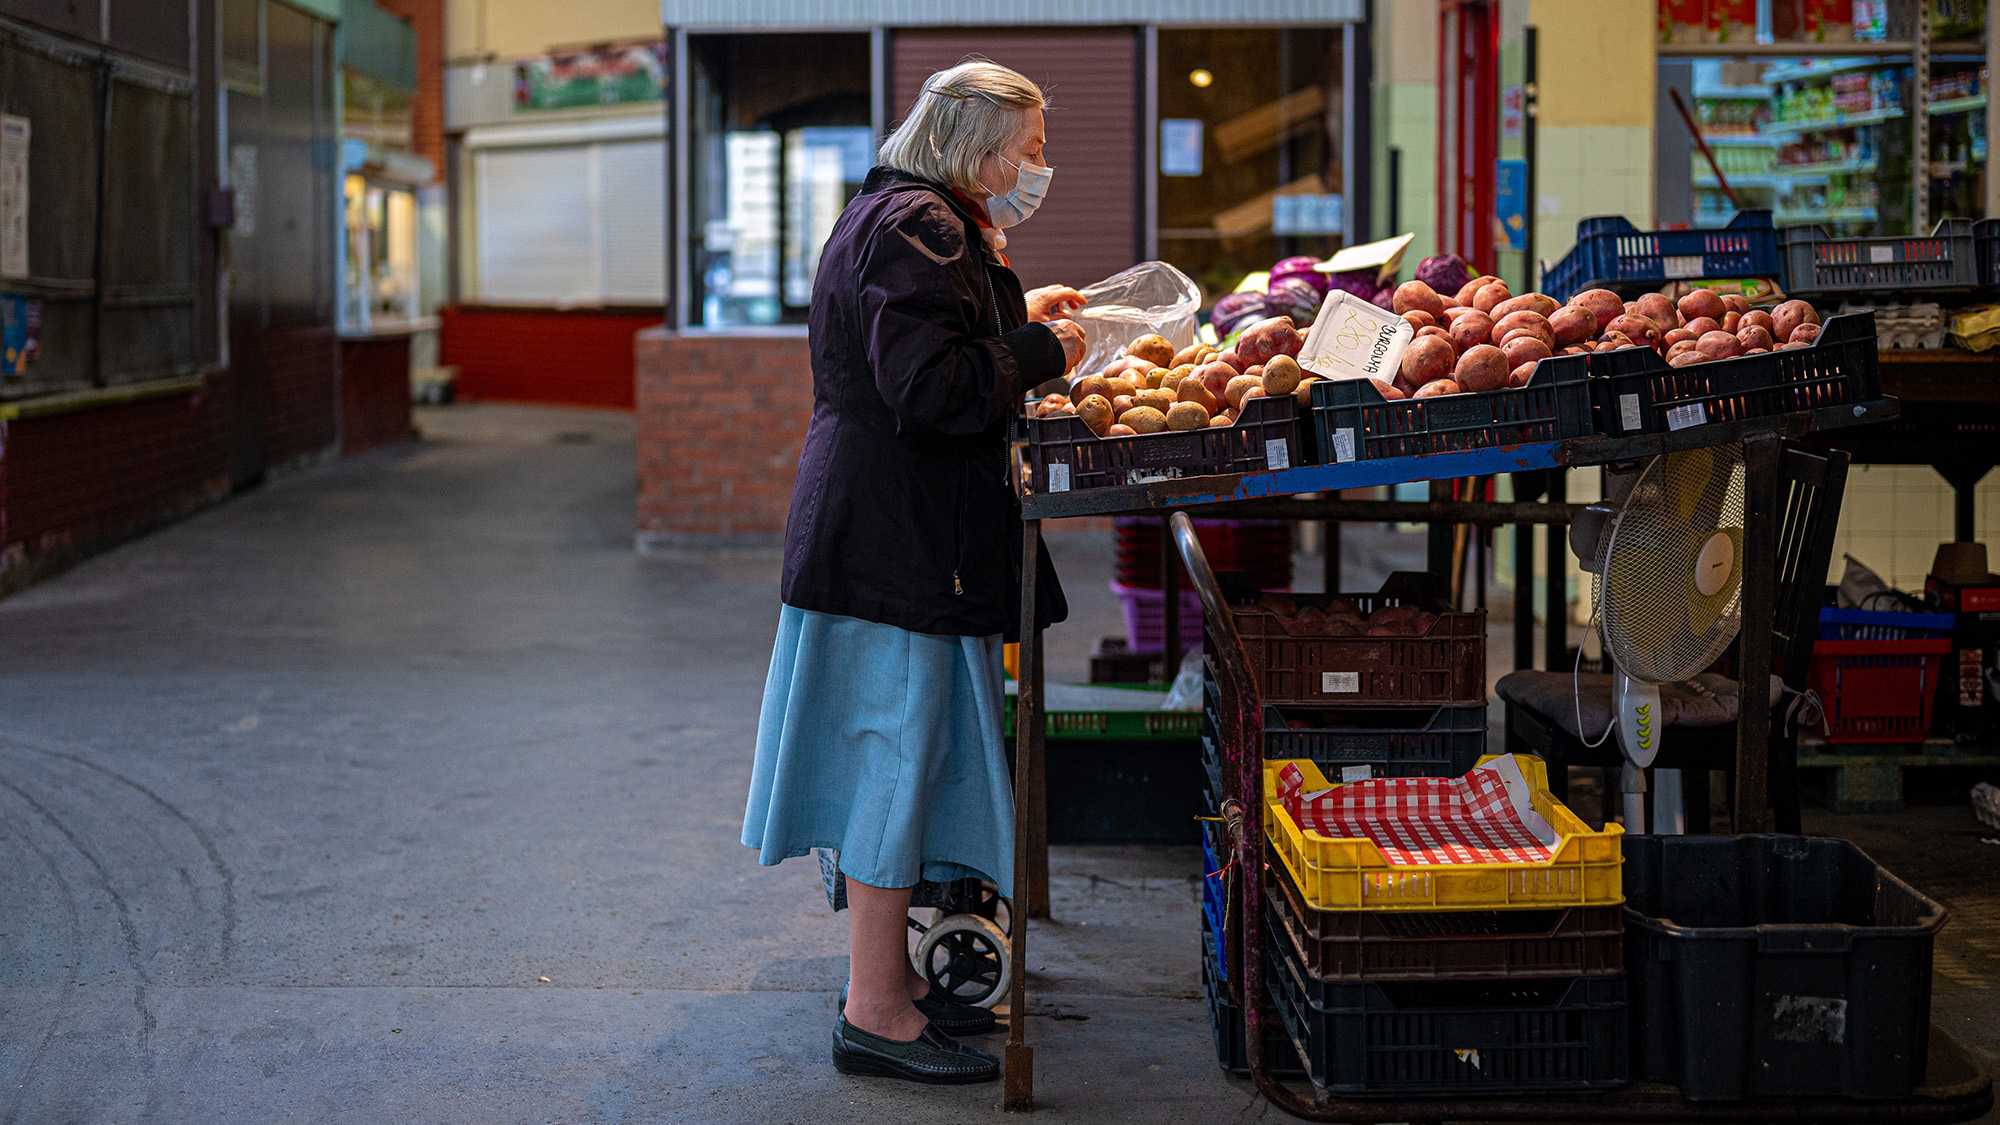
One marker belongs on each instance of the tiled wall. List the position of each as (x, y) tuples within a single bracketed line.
[(1589, 170), (1894, 516)]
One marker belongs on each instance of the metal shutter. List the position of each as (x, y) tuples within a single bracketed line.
[(632, 210), (537, 234), (1089, 227)]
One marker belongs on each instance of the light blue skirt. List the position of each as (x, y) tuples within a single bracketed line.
[(884, 745)]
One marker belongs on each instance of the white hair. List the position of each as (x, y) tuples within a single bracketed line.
[(961, 117)]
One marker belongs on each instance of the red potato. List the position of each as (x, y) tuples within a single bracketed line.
[(1680, 347), (1470, 330), (1735, 302), (1501, 341), (1572, 324), (1524, 318), (1256, 369), (1786, 318), (1679, 335), (1703, 325), (1230, 357), (1789, 345), (1520, 375), (1525, 349), (1465, 292), (1658, 308), (1761, 319), (1436, 332), (1415, 296), (1453, 312), (1406, 385), (1602, 303), (1426, 359), (1090, 385), (1804, 334), (1189, 354), (1702, 303), (1253, 392), (1691, 356), (1757, 351), (1389, 391), (1489, 296), (1420, 319), (1233, 393), (1576, 349), (1732, 321), (1438, 387), (1483, 367), (1718, 345), (1635, 327), (1121, 404), (1213, 376), (1754, 339), (1120, 429), (1540, 303), (1268, 337)]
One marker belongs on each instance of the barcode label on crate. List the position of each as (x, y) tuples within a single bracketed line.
[(1685, 265), (1277, 455), (1339, 683), (1343, 445), (1356, 773), (1881, 255), (1628, 411), (1058, 477), (1689, 414)]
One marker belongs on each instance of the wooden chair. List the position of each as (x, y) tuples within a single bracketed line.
[(1812, 485)]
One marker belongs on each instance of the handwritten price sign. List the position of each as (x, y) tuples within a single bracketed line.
[(1352, 339)]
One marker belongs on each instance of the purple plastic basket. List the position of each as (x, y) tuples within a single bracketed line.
[(1146, 618)]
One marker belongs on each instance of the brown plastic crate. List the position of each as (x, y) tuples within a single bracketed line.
[(1342, 945), (1065, 456), (1443, 667)]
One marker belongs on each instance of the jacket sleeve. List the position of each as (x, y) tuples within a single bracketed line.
[(930, 334)]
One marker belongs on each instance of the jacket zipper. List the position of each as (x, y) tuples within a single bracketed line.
[(958, 545), (998, 328)]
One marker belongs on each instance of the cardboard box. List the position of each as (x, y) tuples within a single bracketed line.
[(1683, 21), (1732, 21)]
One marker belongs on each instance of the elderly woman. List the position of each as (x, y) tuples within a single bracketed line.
[(880, 731)]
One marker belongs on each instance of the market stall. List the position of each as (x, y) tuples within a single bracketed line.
[(1282, 432)]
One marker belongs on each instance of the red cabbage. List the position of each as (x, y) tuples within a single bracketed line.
[(1444, 273), (1236, 310), (1301, 269), (1296, 298)]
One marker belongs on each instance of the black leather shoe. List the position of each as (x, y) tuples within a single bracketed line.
[(946, 1014), (933, 1057), (954, 1018)]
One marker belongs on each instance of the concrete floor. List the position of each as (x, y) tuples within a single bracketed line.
[(301, 799)]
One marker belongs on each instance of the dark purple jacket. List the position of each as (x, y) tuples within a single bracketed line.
[(921, 352)]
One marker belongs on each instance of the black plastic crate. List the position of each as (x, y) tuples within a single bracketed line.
[(1776, 966), (1452, 1037), (1820, 265), (1442, 743), (1225, 1023), (1986, 246), (1638, 393), (1065, 456), (1336, 945), (1351, 421)]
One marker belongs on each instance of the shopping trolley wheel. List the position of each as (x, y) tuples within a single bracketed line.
[(964, 956)]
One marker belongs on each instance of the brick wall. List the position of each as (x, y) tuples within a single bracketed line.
[(299, 406), (720, 423), (426, 18), (374, 392), (76, 482), (575, 358)]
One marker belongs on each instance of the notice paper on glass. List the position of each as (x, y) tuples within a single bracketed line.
[(1180, 146), (1353, 339), (13, 196)]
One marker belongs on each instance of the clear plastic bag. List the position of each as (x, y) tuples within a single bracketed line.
[(1151, 297)]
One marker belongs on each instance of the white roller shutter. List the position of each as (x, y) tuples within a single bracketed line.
[(577, 223)]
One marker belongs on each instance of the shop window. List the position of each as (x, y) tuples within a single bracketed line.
[(1249, 150), (779, 140)]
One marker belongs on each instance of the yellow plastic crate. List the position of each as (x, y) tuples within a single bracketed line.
[(1354, 875)]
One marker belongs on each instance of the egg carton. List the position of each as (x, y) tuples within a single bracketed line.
[(1918, 324)]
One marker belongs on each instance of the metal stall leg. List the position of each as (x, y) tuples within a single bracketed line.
[(1555, 598), (1019, 1096), (1329, 549), (1753, 653)]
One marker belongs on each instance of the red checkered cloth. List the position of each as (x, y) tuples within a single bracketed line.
[(1425, 820)]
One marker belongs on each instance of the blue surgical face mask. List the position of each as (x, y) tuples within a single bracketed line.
[(1030, 188)]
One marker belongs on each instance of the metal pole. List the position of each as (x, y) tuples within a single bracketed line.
[(1329, 547), (1555, 640), (1753, 652), (1019, 1095), (1149, 145), (1920, 124), (1170, 605), (1529, 77)]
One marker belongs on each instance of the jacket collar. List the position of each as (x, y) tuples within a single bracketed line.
[(882, 179)]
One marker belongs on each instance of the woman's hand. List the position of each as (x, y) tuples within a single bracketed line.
[(1051, 302), (1071, 335)]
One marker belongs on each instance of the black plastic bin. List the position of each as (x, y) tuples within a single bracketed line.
[(1775, 966), (1450, 1037), (1225, 1023)]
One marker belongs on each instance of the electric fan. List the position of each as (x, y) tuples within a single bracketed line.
[(1668, 567)]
